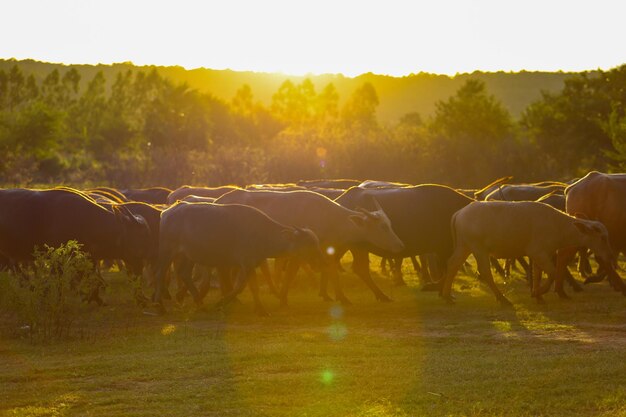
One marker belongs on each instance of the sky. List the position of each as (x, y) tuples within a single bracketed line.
[(320, 36)]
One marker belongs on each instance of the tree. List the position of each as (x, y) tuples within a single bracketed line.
[(360, 110), (469, 133), (574, 129)]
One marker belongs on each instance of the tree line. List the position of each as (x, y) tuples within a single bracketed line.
[(142, 128)]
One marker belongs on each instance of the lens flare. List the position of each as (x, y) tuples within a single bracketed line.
[(330, 250), (168, 329), (327, 377), (337, 332), (336, 312)]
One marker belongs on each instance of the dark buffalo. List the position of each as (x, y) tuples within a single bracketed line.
[(30, 218), (152, 216), (152, 195), (226, 236), (601, 197), (135, 265), (337, 228), (419, 215), (506, 229)]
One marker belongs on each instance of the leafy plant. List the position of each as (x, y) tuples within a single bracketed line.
[(48, 294)]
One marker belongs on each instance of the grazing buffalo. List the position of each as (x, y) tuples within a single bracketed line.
[(185, 190), (36, 217), (601, 197), (337, 227), (30, 218), (135, 265), (152, 217), (419, 215), (153, 195), (515, 229), (226, 236)]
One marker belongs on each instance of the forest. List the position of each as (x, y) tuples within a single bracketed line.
[(141, 126)]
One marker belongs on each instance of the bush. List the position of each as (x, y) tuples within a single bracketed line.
[(47, 295)]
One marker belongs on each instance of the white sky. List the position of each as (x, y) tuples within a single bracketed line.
[(318, 36)]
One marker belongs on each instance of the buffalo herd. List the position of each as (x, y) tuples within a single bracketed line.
[(311, 224)]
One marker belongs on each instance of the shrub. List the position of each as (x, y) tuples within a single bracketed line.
[(47, 295)]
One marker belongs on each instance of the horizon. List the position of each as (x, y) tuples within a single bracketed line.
[(299, 38), (309, 74)]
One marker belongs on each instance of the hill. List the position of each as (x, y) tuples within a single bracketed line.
[(397, 95)]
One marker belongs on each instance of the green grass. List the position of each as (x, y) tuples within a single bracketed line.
[(415, 356)]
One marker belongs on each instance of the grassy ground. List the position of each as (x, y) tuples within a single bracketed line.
[(415, 356)]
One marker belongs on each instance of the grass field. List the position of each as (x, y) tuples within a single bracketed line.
[(415, 356)]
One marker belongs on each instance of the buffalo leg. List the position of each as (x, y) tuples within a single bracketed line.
[(241, 280), (541, 262), (384, 261), (454, 263), (496, 265), (185, 271), (572, 281), (535, 286), (484, 269), (508, 263), (267, 276), (564, 256), (527, 267), (584, 267), (292, 268), (396, 268), (254, 288), (333, 275), (163, 265), (361, 267), (615, 280), (420, 270)]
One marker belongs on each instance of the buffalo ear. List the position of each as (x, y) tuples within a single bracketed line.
[(583, 227), (358, 220), (581, 216), (289, 234)]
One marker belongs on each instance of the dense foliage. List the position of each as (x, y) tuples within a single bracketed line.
[(141, 128)]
